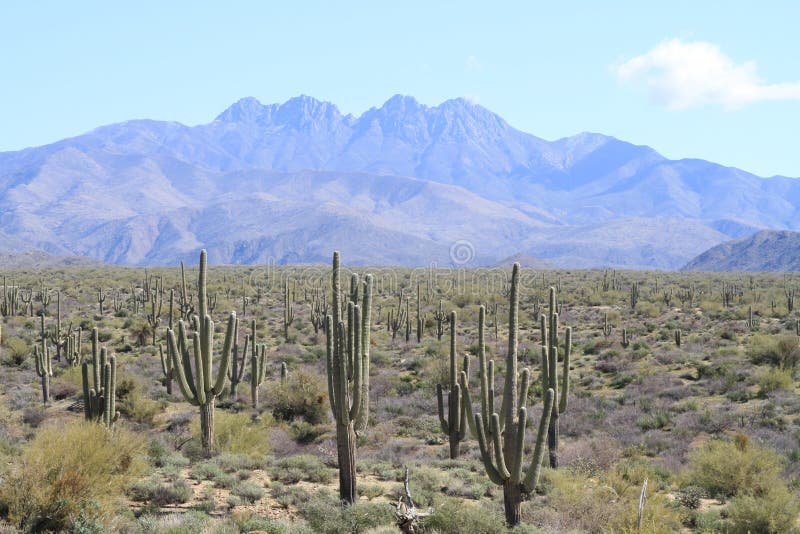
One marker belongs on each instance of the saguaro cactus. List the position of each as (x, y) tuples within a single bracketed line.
[(347, 363), (288, 311), (439, 316), (44, 366), (549, 327), (504, 467), (238, 359), (455, 423), (99, 402), (258, 370), (198, 386)]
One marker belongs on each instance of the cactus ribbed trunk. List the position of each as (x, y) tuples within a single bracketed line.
[(552, 439), (46, 388), (254, 393), (512, 501), (207, 427), (346, 448)]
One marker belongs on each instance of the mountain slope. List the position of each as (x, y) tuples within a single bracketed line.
[(273, 177), (767, 250)]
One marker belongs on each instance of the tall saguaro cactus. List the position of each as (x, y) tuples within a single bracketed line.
[(347, 362), (455, 423), (550, 372), (504, 464), (197, 385), (44, 366)]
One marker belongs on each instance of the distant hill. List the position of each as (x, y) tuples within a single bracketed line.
[(401, 184), (40, 260), (526, 261), (768, 250)]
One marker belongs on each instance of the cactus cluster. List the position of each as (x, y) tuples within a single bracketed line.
[(99, 398)]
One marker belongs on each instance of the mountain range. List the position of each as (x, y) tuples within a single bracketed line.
[(402, 184), (765, 251)]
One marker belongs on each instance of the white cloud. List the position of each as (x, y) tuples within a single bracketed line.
[(681, 75), (473, 64)]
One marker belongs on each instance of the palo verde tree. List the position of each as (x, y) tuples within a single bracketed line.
[(197, 384), (503, 461)]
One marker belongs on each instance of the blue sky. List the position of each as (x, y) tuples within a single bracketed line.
[(712, 79)]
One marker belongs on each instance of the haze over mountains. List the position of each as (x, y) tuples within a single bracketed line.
[(401, 184)]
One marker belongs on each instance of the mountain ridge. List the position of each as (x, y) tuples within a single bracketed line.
[(139, 191), (764, 251)]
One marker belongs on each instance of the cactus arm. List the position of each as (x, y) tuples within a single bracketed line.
[(440, 405), (201, 285), (343, 400), (87, 399), (482, 370), (519, 446), (186, 359), (222, 372), (108, 395), (498, 448), (532, 476), (524, 385), (552, 368), (358, 363), (206, 351), (329, 362), (467, 411), (199, 367), (463, 400), (178, 365), (491, 470), (562, 404)]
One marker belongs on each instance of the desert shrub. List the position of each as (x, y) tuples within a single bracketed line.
[(173, 493), (17, 349), (773, 512), (781, 351), (248, 491), (304, 395), (730, 468), (33, 416), (453, 515), (301, 467), (653, 421), (325, 513), (71, 471), (305, 432), (288, 496), (238, 433), (774, 379), (690, 497), (248, 522)]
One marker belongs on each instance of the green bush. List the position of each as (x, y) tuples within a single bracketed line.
[(71, 471), (726, 469), (325, 513), (781, 351), (455, 517), (303, 395), (238, 433), (301, 467), (773, 512), (774, 379)]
